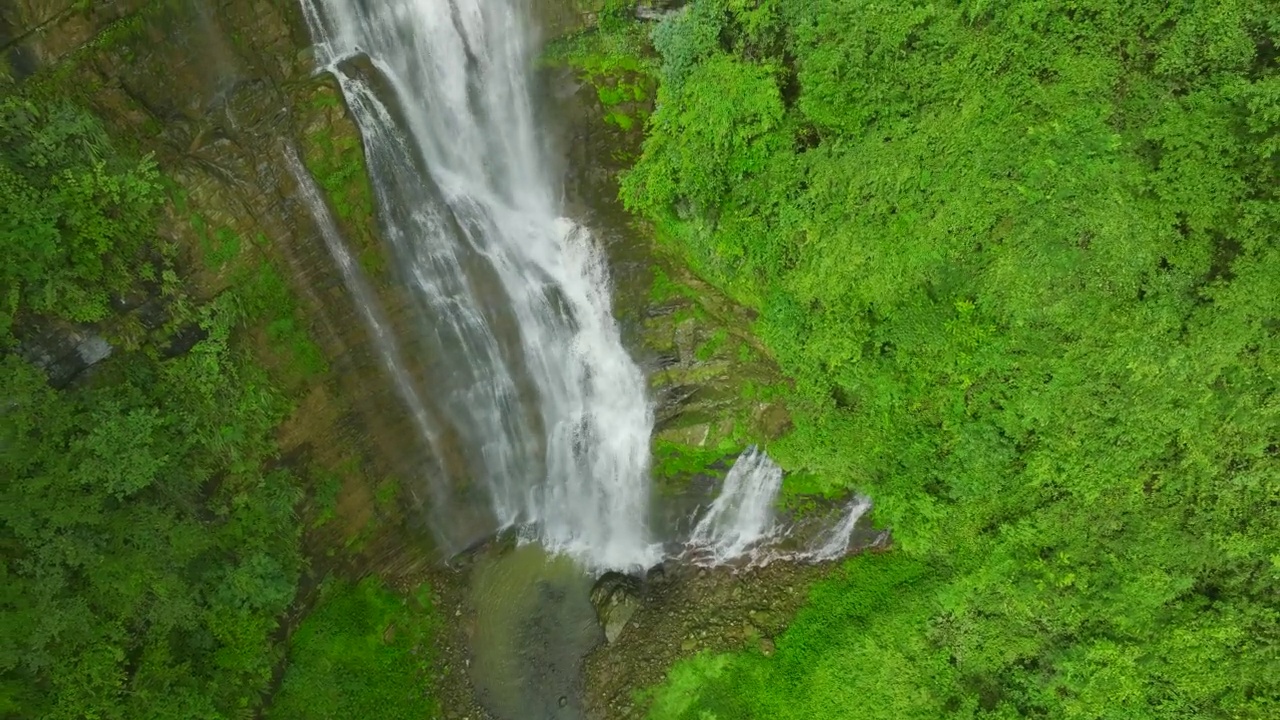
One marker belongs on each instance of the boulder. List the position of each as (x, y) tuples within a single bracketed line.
[(616, 598)]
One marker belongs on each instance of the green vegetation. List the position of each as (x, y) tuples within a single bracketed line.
[(612, 61), (674, 463), (336, 159), (76, 216), (151, 544), (1021, 260), (664, 288), (55, 80), (328, 487), (862, 621), (264, 297), (713, 344), (363, 653)]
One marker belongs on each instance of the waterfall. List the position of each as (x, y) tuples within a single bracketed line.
[(741, 525), (510, 363), (383, 336), (741, 519), (509, 300)]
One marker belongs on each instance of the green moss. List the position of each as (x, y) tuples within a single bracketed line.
[(359, 542), (663, 288), (220, 247), (323, 100), (704, 374), (373, 261), (675, 464), (604, 53), (364, 652), (58, 79), (612, 59), (387, 495), (267, 302), (611, 95), (327, 486), (337, 162), (621, 120), (708, 349)]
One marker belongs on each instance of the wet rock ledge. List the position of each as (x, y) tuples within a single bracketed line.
[(678, 611)]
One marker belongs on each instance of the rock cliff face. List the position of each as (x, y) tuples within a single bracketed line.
[(215, 91)]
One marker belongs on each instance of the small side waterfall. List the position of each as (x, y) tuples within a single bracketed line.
[(741, 519), (392, 358), (741, 526), (837, 541)]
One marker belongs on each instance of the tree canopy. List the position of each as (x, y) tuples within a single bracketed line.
[(1021, 260), (149, 547)]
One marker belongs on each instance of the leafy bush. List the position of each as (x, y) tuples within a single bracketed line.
[(685, 38), (711, 133), (148, 556), (77, 216)]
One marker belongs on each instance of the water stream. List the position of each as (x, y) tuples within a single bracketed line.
[(529, 381), (741, 527)]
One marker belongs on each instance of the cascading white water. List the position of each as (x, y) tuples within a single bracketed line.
[(741, 525), (529, 376), (836, 543), (393, 359), (741, 519)]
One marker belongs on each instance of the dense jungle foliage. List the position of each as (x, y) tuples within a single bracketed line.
[(1022, 260), (149, 534), (148, 547)]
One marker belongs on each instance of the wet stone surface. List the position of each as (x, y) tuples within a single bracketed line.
[(616, 598), (684, 611)]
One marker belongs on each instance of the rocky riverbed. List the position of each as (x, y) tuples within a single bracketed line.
[(529, 637)]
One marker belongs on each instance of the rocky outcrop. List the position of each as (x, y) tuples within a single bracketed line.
[(616, 598), (688, 612), (657, 9), (564, 17), (64, 351), (712, 380)]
